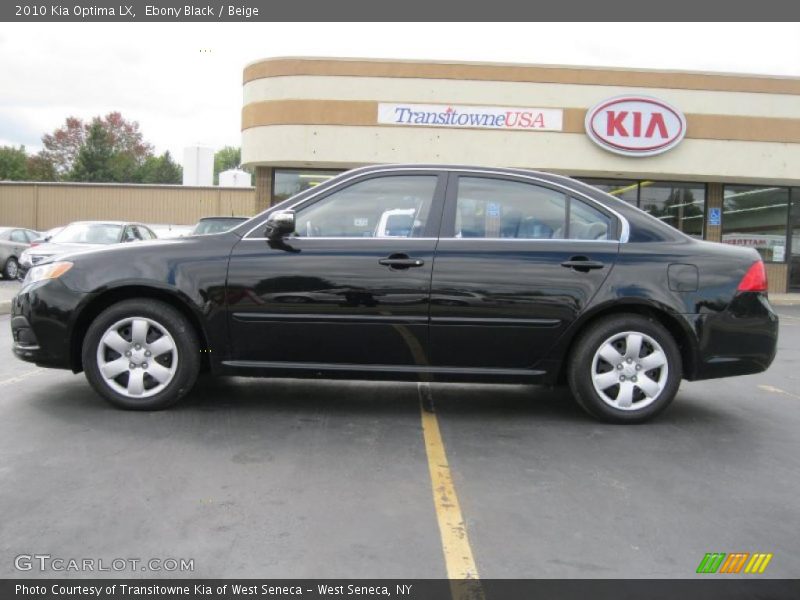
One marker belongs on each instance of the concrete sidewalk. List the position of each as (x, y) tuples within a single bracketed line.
[(784, 299), (8, 289)]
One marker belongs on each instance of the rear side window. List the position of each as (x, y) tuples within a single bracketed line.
[(499, 208), (19, 236), (586, 222)]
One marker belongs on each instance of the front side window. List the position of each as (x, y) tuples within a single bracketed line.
[(498, 208), (396, 206), (756, 217)]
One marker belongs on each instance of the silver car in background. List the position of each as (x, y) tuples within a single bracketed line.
[(84, 235), (13, 242)]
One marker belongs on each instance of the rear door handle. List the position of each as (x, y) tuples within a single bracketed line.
[(401, 261), (582, 264)]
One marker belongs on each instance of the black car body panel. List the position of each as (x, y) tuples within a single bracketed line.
[(470, 310)]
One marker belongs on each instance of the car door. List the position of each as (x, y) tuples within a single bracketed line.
[(517, 262), (342, 289), (6, 247)]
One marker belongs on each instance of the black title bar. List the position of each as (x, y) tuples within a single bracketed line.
[(402, 10)]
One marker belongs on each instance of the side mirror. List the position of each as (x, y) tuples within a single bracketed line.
[(280, 224)]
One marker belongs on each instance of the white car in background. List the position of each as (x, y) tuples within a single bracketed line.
[(83, 235)]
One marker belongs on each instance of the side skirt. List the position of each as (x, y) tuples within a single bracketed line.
[(251, 368)]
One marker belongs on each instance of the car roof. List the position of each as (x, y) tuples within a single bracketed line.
[(220, 218), (104, 223)]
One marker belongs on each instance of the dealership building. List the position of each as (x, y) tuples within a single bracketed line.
[(715, 155)]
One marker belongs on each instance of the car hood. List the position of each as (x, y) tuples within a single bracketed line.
[(49, 250)]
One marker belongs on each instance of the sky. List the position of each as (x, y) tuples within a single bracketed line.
[(183, 82)]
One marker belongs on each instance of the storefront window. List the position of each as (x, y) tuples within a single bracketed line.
[(624, 189), (288, 182), (794, 266), (681, 205), (756, 217)]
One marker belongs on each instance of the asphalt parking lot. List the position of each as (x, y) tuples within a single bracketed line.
[(281, 478)]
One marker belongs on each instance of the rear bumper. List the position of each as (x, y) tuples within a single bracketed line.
[(740, 340)]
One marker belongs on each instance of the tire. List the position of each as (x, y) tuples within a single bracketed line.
[(11, 268), (614, 389), (161, 377)]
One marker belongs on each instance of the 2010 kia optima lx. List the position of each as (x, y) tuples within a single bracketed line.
[(407, 272)]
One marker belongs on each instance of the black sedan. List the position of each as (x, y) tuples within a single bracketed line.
[(495, 275)]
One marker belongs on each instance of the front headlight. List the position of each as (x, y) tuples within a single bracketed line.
[(52, 270)]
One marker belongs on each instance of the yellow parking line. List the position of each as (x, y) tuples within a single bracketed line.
[(458, 557), (777, 390), (21, 376)]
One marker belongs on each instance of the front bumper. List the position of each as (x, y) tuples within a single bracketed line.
[(42, 321)]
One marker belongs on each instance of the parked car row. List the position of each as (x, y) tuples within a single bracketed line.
[(21, 248)]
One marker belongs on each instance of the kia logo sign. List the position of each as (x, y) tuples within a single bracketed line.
[(635, 125)]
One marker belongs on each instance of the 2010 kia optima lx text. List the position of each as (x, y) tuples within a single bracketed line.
[(407, 272)]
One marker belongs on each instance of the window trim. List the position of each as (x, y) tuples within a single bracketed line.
[(622, 233)]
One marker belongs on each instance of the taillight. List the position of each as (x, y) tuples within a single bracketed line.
[(755, 280), (34, 244)]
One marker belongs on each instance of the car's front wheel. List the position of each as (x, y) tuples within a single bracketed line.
[(625, 369), (11, 268), (141, 354)]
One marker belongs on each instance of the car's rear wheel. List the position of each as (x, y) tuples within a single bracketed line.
[(11, 268), (625, 369), (141, 354)]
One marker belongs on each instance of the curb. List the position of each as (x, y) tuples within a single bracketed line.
[(784, 302)]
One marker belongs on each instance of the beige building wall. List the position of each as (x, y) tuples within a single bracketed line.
[(323, 113), (42, 206)]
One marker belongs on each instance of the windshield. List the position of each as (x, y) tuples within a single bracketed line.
[(216, 225), (88, 233)]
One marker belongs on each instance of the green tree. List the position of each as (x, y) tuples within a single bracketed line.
[(124, 140), (95, 159), (13, 163), (40, 168), (61, 147), (228, 157), (159, 169)]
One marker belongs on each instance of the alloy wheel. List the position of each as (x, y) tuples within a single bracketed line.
[(629, 370), (137, 357)]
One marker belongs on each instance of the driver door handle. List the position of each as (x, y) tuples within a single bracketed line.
[(582, 263), (400, 261)]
